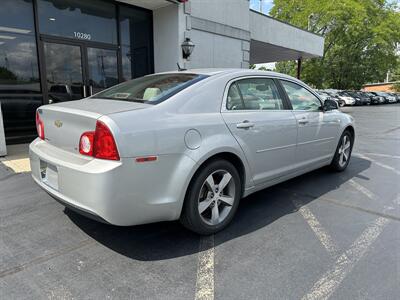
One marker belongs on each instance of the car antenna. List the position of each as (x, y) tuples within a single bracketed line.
[(179, 68)]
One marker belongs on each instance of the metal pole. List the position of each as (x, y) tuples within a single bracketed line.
[(299, 67), (3, 149)]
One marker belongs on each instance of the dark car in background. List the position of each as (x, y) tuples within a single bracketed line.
[(376, 98), (360, 98), (365, 98), (388, 98)]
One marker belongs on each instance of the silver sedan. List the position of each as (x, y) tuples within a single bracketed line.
[(185, 145)]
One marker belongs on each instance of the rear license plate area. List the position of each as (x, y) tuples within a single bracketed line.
[(49, 174)]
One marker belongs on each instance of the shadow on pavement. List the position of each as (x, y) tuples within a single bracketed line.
[(168, 240)]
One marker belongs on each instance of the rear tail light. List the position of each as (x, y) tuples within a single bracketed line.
[(86, 143), (39, 126), (99, 143)]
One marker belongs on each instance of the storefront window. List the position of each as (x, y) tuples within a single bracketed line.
[(89, 20), (136, 42), (19, 71)]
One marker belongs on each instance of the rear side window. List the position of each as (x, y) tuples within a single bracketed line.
[(151, 89), (300, 97), (254, 94)]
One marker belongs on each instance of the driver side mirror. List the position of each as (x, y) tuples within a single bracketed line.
[(330, 104)]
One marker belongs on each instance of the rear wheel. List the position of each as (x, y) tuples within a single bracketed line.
[(212, 198), (343, 152)]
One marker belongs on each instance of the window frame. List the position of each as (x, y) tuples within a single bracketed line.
[(306, 88), (233, 81)]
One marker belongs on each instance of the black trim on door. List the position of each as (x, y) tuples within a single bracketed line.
[(283, 94)]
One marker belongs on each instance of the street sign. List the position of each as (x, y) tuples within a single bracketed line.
[(3, 149)]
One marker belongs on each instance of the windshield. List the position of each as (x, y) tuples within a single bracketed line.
[(151, 89)]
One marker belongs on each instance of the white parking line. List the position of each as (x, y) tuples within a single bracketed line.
[(379, 163), (331, 280), (205, 269), (383, 155), (362, 189), (321, 233)]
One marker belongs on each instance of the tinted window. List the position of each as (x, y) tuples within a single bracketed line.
[(136, 44), (150, 89), (18, 56), (91, 20), (254, 94), (301, 98)]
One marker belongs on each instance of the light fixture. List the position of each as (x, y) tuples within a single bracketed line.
[(52, 19), (187, 48)]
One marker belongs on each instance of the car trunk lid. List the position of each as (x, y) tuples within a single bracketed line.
[(65, 122)]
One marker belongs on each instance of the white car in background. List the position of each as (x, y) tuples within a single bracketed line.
[(348, 100)]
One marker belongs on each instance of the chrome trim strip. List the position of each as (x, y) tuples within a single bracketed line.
[(275, 148), (316, 141)]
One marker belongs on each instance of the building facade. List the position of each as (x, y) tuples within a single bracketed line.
[(380, 87), (62, 50)]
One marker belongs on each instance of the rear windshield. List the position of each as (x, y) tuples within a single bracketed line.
[(151, 89)]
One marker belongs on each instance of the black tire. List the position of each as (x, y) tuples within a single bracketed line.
[(337, 164), (342, 103), (190, 216)]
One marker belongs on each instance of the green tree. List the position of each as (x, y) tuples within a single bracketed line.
[(396, 77), (5, 74), (360, 40)]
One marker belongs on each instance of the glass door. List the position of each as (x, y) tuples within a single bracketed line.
[(75, 70), (64, 72)]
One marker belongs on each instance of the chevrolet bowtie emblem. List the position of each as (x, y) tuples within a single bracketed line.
[(58, 123)]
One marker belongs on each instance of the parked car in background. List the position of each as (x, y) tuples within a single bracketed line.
[(376, 98), (185, 145), (355, 96), (361, 97), (326, 95), (348, 99), (396, 95), (388, 98)]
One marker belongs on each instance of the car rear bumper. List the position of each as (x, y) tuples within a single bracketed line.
[(117, 192)]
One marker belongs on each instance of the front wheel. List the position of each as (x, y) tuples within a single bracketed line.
[(343, 152), (342, 103), (212, 198)]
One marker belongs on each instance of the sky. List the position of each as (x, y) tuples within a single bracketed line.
[(266, 5)]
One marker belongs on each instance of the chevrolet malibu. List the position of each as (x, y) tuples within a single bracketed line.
[(185, 145)]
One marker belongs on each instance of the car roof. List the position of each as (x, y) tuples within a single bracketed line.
[(226, 71)]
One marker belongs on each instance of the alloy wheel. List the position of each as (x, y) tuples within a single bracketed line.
[(216, 198), (344, 150)]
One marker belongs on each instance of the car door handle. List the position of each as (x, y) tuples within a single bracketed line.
[(303, 121), (245, 125)]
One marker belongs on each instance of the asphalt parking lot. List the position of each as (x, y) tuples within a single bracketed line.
[(322, 235)]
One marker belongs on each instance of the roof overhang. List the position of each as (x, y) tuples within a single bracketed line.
[(149, 4), (273, 40)]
